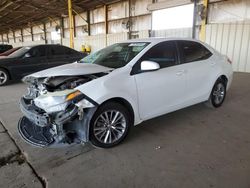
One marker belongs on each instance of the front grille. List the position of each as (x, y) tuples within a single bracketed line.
[(33, 134)]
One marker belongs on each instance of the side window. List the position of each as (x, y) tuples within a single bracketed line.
[(193, 51), (70, 51), (37, 51), (57, 50), (164, 53)]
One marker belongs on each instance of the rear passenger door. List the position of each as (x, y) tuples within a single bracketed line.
[(194, 58)]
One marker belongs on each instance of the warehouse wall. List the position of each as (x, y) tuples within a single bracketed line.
[(118, 20), (183, 32), (228, 31), (229, 11), (232, 40)]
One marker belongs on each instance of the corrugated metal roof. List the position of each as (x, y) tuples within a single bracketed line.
[(15, 14)]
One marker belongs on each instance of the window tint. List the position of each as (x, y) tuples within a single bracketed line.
[(37, 51), (193, 51), (57, 50), (5, 47), (163, 53), (70, 51)]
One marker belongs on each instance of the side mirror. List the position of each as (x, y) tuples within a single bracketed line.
[(27, 55), (149, 66)]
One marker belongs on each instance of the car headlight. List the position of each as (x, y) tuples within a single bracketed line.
[(56, 101)]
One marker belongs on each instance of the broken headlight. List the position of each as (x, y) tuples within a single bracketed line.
[(56, 101)]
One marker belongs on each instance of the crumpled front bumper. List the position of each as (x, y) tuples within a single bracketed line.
[(33, 134), (31, 113), (36, 127)]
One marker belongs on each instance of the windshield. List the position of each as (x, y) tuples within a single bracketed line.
[(116, 55), (20, 52)]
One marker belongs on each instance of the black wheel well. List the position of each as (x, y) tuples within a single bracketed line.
[(224, 78), (8, 72), (124, 103)]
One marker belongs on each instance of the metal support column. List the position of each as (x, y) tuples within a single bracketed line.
[(22, 35), (74, 24), (71, 24), (106, 24), (194, 20), (32, 34), (88, 21), (62, 28), (62, 32), (8, 38), (130, 19), (45, 33), (204, 22), (14, 36)]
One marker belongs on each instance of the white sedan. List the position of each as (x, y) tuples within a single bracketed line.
[(99, 98)]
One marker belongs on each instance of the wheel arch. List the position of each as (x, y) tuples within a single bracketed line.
[(124, 103), (224, 78), (8, 72), (213, 81)]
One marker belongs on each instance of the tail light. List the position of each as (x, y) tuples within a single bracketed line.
[(229, 61)]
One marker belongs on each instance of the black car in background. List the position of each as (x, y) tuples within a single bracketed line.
[(31, 59), (5, 47)]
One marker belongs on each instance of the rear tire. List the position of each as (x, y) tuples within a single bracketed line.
[(4, 77), (218, 94), (109, 125)]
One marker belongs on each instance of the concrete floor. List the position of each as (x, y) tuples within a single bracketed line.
[(194, 147)]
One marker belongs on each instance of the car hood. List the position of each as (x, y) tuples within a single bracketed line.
[(73, 69)]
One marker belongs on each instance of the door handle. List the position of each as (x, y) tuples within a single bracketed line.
[(179, 73), (213, 63)]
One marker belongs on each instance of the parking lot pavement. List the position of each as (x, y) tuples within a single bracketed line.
[(2, 130), (14, 170), (193, 147)]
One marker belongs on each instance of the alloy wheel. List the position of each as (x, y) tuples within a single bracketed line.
[(3, 77), (219, 93), (109, 126)]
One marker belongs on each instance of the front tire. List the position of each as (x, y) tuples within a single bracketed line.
[(4, 77), (110, 125), (218, 94)]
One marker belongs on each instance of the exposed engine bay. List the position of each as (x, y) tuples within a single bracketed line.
[(55, 113)]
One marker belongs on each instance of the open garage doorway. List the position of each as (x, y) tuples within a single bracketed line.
[(173, 22)]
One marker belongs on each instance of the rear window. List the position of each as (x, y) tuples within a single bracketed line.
[(58, 50), (5, 47), (193, 51)]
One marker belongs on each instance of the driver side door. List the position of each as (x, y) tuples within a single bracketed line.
[(33, 61), (160, 91)]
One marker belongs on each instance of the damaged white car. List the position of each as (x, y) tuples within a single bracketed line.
[(99, 98)]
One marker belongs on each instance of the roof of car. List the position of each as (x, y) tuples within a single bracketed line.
[(159, 39), (5, 45), (31, 46)]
